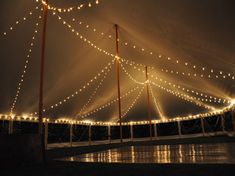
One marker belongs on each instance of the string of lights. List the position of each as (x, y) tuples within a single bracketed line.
[(206, 97), (20, 83), (29, 118), (181, 88), (94, 46), (212, 72), (20, 21), (69, 9), (67, 120), (82, 38), (133, 103), (211, 75), (85, 40), (214, 112), (131, 77), (135, 64), (188, 74), (180, 95), (99, 85), (109, 103), (76, 92), (89, 27), (169, 71), (184, 96)]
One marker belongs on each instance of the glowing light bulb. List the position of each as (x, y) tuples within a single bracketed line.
[(232, 102)]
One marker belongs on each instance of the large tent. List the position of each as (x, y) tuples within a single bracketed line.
[(188, 47)]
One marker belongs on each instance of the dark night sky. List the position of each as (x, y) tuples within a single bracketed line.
[(199, 32)]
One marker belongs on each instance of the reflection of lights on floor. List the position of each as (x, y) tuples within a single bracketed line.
[(194, 153)]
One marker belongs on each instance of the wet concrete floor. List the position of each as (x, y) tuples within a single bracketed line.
[(187, 153)]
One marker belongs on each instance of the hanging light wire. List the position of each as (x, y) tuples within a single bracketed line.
[(27, 61)]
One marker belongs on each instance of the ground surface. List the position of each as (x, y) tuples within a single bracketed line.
[(89, 169), (62, 168)]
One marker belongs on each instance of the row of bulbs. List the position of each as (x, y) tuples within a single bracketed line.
[(129, 108), (195, 74), (180, 95), (184, 97), (99, 85), (69, 9), (87, 84), (212, 73), (86, 26), (28, 118), (20, 83), (82, 38), (133, 103), (131, 77), (110, 102), (206, 98), (20, 21)]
